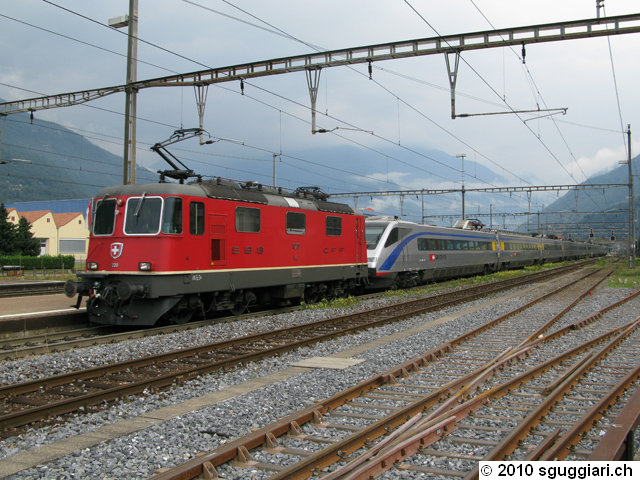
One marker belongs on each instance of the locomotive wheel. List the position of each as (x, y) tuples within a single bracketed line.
[(243, 304), (180, 317), (311, 295)]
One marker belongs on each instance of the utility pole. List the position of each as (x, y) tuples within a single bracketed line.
[(461, 156), (631, 241), (130, 112), (491, 216), (632, 216)]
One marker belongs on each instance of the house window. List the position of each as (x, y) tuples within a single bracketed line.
[(72, 245)]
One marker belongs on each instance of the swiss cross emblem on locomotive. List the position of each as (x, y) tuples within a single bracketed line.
[(116, 249)]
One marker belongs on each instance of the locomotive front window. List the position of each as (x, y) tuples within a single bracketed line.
[(172, 217), (372, 234), (104, 217), (143, 216), (247, 219), (296, 223)]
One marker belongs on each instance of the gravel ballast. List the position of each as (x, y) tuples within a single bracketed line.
[(174, 441)]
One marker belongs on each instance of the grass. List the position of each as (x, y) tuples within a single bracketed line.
[(336, 303), (623, 277), (470, 281)]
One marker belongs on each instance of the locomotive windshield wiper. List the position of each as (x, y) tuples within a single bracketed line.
[(137, 213), (99, 205)]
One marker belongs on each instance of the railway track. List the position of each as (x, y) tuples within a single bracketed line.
[(23, 343), (22, 289), (476, 397), (28, 402)]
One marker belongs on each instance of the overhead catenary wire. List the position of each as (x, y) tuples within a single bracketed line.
[(319, 49), (51, 2), (546, 147)]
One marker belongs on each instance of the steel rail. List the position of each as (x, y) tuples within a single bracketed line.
[(316, 462), (424, 432), (11, 347), (564, 444), (617, 443), (355, 322)]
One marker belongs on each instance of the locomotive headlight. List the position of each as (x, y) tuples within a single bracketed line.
[(372, 259), (144, 266), (92, 265)]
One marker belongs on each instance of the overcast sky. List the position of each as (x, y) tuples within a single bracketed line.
[(45, 49)]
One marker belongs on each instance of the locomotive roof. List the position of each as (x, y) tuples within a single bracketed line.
[(235, 192)]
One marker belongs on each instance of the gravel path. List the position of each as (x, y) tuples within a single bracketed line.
[(174, 441)]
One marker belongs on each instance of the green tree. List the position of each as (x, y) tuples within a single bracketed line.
[(25, 243), (7, 233)]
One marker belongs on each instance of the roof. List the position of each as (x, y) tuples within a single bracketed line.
[(62, 219), (34, 216)]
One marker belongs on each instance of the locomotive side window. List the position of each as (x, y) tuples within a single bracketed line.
[(247, 219), (143, 215), (104, 217), (334, 226), (396, 235), (172, 217), (296, 223), (196, 218)]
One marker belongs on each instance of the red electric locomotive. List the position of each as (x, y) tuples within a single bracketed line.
[(168, 250)]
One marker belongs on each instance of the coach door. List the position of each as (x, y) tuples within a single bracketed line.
[(218, 233)]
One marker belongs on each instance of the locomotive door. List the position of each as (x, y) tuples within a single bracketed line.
[(218, 233), (404, 232)]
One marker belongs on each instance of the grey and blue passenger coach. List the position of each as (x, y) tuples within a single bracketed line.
[(402, 254)]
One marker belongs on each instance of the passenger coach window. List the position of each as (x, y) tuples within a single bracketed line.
[(334, 226), (296, 223), (196, 218), (104, 217), (172, 217), (247, 219)]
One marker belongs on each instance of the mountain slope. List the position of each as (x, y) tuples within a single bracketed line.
[(62, 164)]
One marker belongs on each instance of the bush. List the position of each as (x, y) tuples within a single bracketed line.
[(48, 262)]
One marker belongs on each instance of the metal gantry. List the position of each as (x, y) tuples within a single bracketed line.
[(528, 189), (313, 63), (551, 32)]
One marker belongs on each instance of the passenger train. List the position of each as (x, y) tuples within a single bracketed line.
[(401, 254), (168, 251)]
